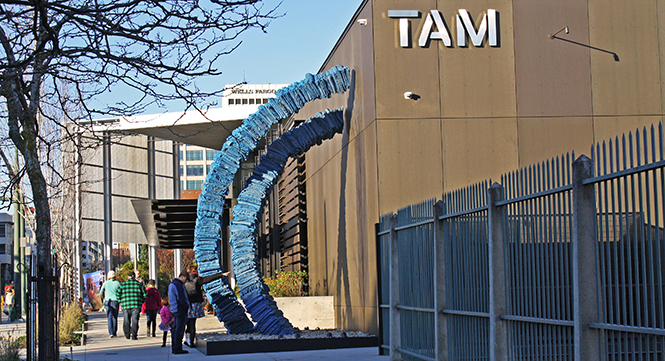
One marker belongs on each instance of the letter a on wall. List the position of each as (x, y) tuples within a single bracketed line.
[(434, 17)]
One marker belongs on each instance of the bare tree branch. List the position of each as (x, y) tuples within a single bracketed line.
[(58, 57)]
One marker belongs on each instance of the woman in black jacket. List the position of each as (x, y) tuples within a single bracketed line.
[(194, 287)]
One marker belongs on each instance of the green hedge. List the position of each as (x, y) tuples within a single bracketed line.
[(287, 284)]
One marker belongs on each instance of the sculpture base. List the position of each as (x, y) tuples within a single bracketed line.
[(212, 346)]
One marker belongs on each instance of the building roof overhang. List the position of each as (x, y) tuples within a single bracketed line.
[(207, 128)]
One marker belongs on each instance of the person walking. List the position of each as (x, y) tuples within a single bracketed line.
[(131, 295), (138, 277), (179, 305), (10, 303), (194, 287), (167, 320), (151, 306), (109, 294)]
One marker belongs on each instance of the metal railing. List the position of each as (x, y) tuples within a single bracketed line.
[(560, 261)]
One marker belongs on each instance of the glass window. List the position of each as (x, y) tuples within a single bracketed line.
[(244, 101), (2, 248), (195, 170), (231, 101), (265, 101), (208, 168), (210, 154), (251, 101), (3, 230), (194, 155), (181, 155), (181, 173), (194, 185), (182, 185)]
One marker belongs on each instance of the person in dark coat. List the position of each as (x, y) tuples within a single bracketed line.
[(151, 306), (194, 287), (179, 304)]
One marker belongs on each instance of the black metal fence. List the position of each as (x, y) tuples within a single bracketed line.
[(559, 261), (46, 349)]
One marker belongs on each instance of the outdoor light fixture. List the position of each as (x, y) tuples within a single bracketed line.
[(362, 22), (410, 95), (565, 28)]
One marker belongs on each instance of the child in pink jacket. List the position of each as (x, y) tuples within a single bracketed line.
[(167, 319)]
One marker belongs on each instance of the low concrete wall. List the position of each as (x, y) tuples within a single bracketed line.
[(312, 311)]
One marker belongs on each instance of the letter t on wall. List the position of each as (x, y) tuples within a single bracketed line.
[(403, 16)]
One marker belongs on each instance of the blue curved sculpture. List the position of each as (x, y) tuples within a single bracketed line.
[(253, 291), (244, 139)]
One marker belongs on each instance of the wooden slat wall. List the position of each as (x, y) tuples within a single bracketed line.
[(288, 204), (293, 217)]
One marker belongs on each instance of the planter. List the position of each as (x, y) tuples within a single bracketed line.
[(313, 312), (227, 347), (308, 312)]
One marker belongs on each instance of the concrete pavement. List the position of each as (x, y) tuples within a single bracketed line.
[(13, 329), (99, 347)]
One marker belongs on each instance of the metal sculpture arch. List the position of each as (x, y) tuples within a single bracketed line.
[(207, 235)]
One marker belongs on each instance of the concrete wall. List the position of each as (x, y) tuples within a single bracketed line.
[(311, 312), (483, 111)]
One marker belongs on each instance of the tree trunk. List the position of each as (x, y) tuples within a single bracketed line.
[(48, 348)]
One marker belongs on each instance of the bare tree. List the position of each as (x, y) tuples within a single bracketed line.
[(65, 54)]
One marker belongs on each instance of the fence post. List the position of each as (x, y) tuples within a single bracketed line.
[(440, 320), (395, 336), (379, 287), (498, 328), (585, 285)]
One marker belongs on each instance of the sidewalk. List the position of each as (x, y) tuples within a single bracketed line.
[(99, 347), (15, 329)]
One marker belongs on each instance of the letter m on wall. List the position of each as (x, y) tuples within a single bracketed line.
[(488, 25)]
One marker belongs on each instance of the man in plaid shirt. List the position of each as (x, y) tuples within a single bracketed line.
[(131, 295)]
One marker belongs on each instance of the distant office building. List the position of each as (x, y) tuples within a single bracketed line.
[(6, 247), (194, 165), (250, 94), (195, 160), (146, 158), (91, 253), (115, 168)]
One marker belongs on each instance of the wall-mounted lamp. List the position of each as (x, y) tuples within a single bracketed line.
[(410, 95), (362, 22), (565, 28)]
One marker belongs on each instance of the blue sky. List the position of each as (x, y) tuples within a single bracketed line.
[(294, 45)]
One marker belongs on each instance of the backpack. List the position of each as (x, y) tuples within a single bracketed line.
[(190, 287)]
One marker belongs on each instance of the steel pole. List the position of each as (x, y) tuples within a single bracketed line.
[(17, 256)]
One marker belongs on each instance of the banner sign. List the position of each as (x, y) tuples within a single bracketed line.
[(92, 282)]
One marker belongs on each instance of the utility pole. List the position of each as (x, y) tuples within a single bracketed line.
[(24, 270), (18, 296), (19, 266)]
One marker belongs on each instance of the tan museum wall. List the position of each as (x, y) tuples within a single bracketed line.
[(482, 112)]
